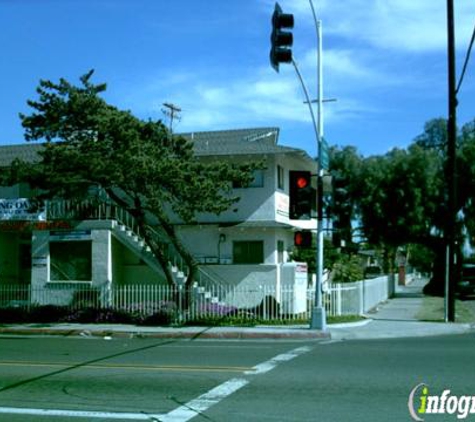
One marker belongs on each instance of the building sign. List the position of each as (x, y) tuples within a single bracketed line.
[(281, 206), (21, 209), (70, 235), (26, 226)]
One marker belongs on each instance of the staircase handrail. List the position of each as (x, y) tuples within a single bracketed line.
[(97, 208)]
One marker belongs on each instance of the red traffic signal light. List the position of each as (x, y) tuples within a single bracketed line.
[(303, 239), (302, 197), (281, 41), (302, 182)]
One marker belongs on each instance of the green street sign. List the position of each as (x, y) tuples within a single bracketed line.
[(325, 158)]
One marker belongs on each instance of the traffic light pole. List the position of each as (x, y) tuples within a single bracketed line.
[(318, 320), (281, 41), (318, 313)]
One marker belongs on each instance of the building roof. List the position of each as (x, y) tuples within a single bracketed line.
[(255, 141), (238, 142), (25, 152)]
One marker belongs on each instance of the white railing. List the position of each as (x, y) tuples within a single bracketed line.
[(262, 302), (356, 298)]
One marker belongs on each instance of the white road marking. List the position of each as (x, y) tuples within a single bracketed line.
[(81, 414), (204, 402), (181, 414), (325, 342), (267, 366)]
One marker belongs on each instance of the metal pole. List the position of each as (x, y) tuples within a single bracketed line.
[(318, 313), (318, 320), (451, 170)]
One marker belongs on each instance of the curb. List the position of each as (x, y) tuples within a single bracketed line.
[(205, 334), (352, 324)]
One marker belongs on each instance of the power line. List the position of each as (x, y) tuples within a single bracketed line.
[(467, 58)]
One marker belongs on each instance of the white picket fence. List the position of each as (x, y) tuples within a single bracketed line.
[(263, 302), (357, 298)]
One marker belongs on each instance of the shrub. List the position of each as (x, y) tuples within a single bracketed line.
[(104, 316), (216, 310), (220, 321), (12, 315), (150, 308), (268, 308), (347, 269), (158, 318), (47, 313)]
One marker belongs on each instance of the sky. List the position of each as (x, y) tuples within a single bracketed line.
[(384, 61)]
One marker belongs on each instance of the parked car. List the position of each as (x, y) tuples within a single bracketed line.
[(373, 271), (466, 284)]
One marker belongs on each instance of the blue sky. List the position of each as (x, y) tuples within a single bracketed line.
[(384, 61)]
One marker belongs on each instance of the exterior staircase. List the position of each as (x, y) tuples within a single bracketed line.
[(124, 228)]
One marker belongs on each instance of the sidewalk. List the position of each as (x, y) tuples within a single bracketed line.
[(397, 318), (392, 319)]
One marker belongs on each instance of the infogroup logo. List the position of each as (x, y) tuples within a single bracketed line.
[(421, 403)]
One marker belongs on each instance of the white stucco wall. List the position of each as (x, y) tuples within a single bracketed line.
[(204, 241)]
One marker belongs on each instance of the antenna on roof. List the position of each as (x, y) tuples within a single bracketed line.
[(171, 111)]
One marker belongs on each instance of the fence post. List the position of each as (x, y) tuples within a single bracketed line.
[(338, 299), (361, 297), (180, 304)]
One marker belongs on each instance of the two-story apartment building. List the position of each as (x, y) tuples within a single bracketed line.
[(248, 244), (253, 239)]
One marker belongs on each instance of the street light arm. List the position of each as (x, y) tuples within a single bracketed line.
[(305, 91)]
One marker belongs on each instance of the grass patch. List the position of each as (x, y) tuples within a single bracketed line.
[(342, 319), (222, 321), (433, 310)]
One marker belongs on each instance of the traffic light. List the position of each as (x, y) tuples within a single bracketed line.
[(303, 239), (341, 211), (302, 197), (281, 41)]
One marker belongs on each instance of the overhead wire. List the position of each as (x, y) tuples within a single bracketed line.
[(467, 58)]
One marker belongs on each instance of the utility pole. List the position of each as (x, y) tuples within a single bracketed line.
[(451, 252), (171, 111), (318, 313)]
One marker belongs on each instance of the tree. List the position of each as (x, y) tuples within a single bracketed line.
[(401, 197), (345, 169), (396, 198), (92, 147)]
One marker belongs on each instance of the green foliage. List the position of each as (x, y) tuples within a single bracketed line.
[(47, 313), (223, 321), (309, 255), (347, 268), (401, 196), (345, 169), (92, 148), (91, 143), (421, 258)]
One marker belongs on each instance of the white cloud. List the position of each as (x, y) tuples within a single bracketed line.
[(404, 25), (360, 36), (260, 99)]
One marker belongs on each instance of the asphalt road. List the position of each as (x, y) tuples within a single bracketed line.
[(71, 379)]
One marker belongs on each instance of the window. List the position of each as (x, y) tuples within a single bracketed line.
[(257, 182), (248, 252), (71, 261), (280, 251), (280, 178)]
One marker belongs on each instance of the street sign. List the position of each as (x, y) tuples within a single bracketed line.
[(325, 158)]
